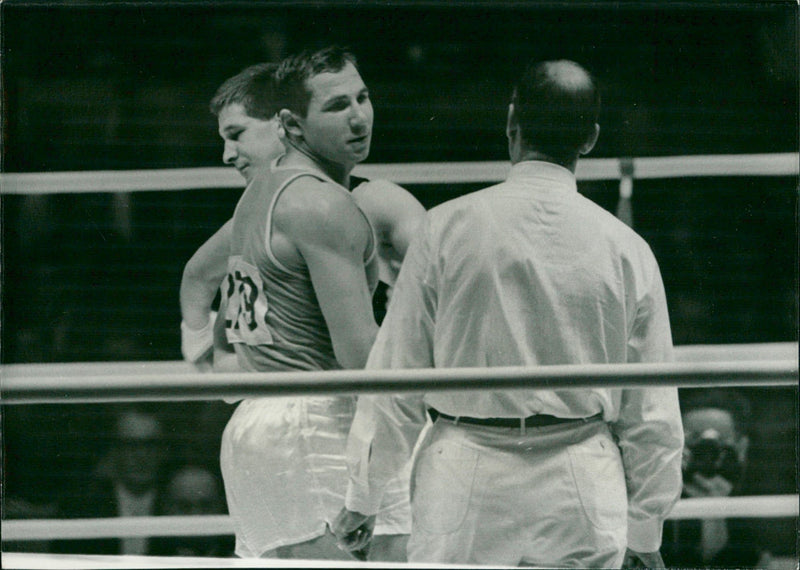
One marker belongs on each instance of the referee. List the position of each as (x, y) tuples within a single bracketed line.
[(526, 273)]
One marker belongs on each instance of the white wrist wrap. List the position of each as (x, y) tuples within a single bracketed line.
[(197, 344)]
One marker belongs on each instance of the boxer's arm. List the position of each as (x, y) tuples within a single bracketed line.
[(202, 277), (332, 236), (396, 216), (200, 281)]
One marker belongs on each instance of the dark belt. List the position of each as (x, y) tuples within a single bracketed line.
[(537, 420)]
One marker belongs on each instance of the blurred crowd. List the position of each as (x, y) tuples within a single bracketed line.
[(116, 461)]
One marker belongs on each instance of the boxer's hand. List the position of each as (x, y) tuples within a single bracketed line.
[(197, 345), (353, 530)]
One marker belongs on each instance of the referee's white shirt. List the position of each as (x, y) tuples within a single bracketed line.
[(527, 272)]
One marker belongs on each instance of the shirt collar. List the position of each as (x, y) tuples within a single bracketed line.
[(554, 175)]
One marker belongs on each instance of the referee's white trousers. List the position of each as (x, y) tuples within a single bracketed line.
[(551, 497)]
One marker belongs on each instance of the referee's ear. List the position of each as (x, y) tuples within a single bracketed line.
[(513, 135), (290, 123), (591, 140), (512, 125)]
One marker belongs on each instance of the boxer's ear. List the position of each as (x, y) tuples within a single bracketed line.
[(292, 125)]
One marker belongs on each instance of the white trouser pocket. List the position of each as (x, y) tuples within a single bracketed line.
[(442, 486), (600, 480)]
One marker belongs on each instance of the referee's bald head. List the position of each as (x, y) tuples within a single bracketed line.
[(557, 104)]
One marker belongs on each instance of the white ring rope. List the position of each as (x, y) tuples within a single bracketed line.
[(41, 561), (778, 164), (117, 527), (683, 353), (767, 506), (21, 387)]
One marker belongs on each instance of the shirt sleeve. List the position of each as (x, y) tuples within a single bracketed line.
[(386, 427), (405, 339), (649, 429), (382, 438)]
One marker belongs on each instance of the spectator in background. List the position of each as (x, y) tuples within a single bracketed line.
[(19, 508), (193, 490), (126, 483), (717, 426)]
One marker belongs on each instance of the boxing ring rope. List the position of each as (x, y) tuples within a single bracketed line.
[(214, 525), (38, 561), (23, 385), (764, 506), (113, 181)]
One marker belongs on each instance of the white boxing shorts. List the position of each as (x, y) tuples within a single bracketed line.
[(285, 472)]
